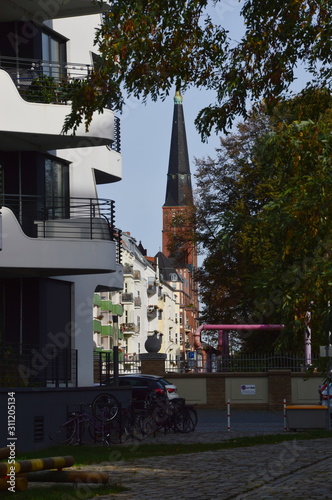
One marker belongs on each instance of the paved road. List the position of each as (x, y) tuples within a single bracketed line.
[(290, 470)]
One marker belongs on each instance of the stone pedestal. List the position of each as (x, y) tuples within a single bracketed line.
[(153, 363)]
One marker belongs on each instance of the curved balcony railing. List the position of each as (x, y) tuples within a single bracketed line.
[(25, 71), (62, 217), (51, 82)]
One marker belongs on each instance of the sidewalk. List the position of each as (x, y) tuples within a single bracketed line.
[(293, 469)]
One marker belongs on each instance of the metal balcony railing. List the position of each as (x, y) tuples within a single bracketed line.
[(51, 82), (64, 217), (18, 366), (127, 298)]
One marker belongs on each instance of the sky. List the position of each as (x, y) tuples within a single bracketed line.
[(145, 146)]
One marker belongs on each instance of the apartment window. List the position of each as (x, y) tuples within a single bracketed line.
[(56, 188), (53, 54)]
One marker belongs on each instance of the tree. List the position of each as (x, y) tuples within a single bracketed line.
[(265, 216), (149, 47)]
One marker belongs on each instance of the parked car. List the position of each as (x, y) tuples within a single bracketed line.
[(145, 384)]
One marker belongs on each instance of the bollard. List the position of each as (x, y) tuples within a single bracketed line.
[(37, 464), (228, 415)]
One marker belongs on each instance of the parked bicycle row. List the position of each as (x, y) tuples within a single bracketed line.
[(106, 422)]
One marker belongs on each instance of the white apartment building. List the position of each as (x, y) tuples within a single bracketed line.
[(148, 304), (59, 244)]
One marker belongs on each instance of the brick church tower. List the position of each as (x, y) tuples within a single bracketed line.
[(178, 206)]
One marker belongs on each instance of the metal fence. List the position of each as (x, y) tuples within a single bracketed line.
[(104, 365), (40, 366), (258, 362)]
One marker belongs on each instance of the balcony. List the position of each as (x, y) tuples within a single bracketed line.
[(106, 305), (109, 330), (152, 312), (42, 108), (128, 270), (129, 328), (46, 239), (96, 300), (96, 326), (60, 217), (127, 298), (152, 289), (137, 301), (137, 275)]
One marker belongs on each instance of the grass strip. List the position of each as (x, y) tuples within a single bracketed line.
[(90, 454)]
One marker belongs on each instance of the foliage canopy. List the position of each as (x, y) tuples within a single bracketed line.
[(264, 214), (148, 47)]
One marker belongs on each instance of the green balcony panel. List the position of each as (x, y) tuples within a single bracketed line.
[(117, 309), (96, 300), (106, 305), (107, 330), (96, 326)]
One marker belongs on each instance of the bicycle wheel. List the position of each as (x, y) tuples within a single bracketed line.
[(141, 426), (65, 433), (185, 419), (105, 407), (117, 429)]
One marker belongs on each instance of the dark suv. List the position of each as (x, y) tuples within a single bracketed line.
[(143, 385)]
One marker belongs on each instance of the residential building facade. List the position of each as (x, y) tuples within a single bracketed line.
[(147, 305), (59, 243)]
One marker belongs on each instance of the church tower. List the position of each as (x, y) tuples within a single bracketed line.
[(177, 244), (179, 196)]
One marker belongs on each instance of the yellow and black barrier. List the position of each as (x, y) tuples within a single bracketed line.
[(36, 464), (44, 470)]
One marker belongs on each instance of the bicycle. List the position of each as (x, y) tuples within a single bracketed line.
[(173, 415), (104, 410), (130, 423), (105, 406)]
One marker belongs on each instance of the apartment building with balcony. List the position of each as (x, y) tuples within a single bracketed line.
[(59, 243), (148, 304)]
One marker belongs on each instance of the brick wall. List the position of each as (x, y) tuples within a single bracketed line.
[(280, 388)]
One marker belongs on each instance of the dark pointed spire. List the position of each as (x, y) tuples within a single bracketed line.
[(178, 190)]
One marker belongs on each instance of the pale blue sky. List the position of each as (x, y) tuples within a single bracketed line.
[(145, 144)]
